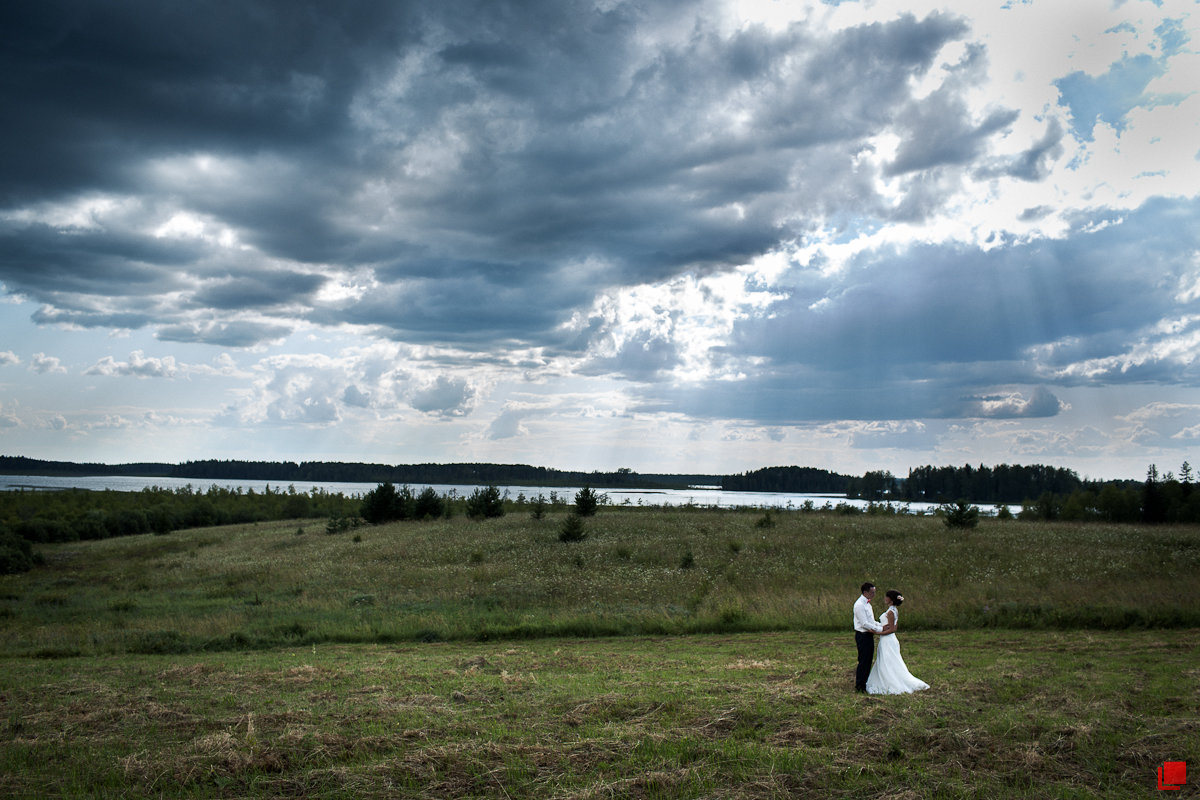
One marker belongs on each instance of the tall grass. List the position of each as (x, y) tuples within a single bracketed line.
[(639, 571)]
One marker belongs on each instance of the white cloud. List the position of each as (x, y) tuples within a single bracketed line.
[(1039, 403), (138, 365), (444, 396), (9, 418), (511, 421), (44, 364)]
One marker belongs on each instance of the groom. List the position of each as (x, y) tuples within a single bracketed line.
[(865, 631)]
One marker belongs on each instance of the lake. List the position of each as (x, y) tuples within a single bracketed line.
[(707, 496)]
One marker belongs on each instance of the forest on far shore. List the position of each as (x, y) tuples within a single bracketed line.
[(1004, 483), (355, 472)]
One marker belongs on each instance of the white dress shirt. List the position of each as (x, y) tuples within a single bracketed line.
[(864, 616)]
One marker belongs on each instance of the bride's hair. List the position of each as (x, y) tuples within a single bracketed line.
[(897, 598)]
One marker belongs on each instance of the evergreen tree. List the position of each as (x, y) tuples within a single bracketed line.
[(385, 503), (1154, 504), (429, 504), (960, 515), (572, 529), (485, 503), (586, 502)]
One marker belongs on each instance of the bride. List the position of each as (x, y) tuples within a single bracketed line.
[(889, 675)]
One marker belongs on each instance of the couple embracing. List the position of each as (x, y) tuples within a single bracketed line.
[(888, 675)]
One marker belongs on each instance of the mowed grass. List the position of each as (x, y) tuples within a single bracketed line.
[(1011, 714), (664, 571), (673, 653)]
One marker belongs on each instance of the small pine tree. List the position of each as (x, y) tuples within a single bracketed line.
[(572, 529), (960, 515), (586, 502), (485, 503), (385, 503), (429, 504), (538, 507)]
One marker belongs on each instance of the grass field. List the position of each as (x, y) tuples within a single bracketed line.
[(638, 572), (464, 659), (1010, 714)]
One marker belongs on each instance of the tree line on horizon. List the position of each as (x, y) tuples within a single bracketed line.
[(356, 472), (1160, 498), (928, 484), (1004, 483), (1043, 492)]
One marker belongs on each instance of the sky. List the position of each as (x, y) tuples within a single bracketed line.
[(677, 236)]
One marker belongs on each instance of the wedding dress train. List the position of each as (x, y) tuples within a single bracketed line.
[(889, 675)]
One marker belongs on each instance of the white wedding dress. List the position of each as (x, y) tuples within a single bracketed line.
[(888, 673)]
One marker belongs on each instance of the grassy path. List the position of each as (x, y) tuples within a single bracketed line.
[(1011, 714)]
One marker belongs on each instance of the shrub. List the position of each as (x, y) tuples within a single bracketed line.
[(127, 522), (15, 553), (385, 503), (586, 502), (337, 524), (485, 503), (960, 515), (161, 519), (429, 504), (91, 525), (1045, 508), (572, 529)]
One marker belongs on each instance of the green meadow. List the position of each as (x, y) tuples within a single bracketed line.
[(671, 653)]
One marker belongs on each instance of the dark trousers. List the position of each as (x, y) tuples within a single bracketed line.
[(866, 651)]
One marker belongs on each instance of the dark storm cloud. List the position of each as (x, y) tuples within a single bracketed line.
[(1032, 164), (461, 307), (939, 129), (257, 291), (225, 334), (93, 318), (43, 261), (102, 85), (466, 156)]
